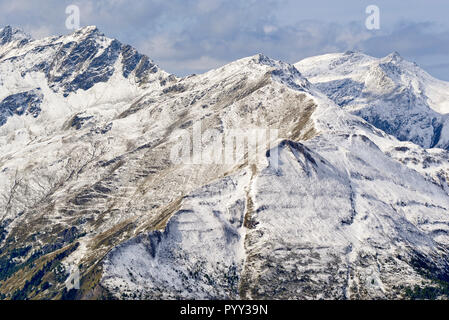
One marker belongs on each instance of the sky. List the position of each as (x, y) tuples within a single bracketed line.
[(193, 36)]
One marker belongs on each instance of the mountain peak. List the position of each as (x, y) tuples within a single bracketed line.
[(10, 34), (260, 62), (394, 56), (252, 61), (87, 31), (349, 53), (260, 58)]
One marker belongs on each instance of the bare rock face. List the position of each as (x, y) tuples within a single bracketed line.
[(257, 180)]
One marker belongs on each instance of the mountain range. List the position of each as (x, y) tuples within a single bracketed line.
[(348, 197)]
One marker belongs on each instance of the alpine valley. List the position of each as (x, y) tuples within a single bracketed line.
[(350, 200)]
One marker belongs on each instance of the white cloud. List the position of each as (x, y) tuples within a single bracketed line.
[(269, 29), (190, 66), (194, 35)]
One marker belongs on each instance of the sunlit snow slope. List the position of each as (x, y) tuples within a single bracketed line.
[(391, 93)]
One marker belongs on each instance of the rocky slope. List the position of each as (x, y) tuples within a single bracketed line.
[(111, 165)]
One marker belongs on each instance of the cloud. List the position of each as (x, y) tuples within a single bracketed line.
[(185, 36), (412, 39), (191, 66)]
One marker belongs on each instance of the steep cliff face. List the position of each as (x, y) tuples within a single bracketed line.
[(113, 167)]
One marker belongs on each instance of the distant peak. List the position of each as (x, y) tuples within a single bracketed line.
[(11, 30), (87, 31), (261, 58), (6, 28), (257, 59), (353, 53), (264, 60), (10, 34), (394, 56)]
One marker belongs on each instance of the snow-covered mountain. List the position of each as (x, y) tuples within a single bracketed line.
[(334, 206), (391, 93)]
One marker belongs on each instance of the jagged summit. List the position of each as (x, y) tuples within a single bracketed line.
[(392, 93), (394, 56), (9, 34), (256, 59), (88, 29), (78, 61), (260, 65), (87, 32)]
